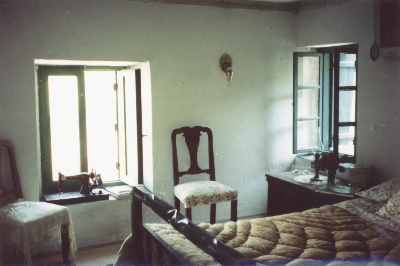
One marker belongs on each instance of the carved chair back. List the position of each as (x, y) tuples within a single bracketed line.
[(192, 140), (13, 187)]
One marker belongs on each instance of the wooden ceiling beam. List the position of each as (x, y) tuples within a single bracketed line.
[(287, 6)]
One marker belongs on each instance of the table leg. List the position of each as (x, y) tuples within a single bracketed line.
[(65, 242)]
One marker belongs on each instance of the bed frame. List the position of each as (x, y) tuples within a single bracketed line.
[(147, 246)]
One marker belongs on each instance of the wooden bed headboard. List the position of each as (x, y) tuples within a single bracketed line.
[(221, 252)]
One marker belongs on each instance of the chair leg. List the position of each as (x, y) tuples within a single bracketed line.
[(234, 210), (213, 211), (65, 243), (177, 204), (188, 213)]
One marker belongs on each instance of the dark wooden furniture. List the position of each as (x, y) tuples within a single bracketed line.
[(286, 195), (165, 254), (192, 140), (87, 193), (386, 28), (11, 189)]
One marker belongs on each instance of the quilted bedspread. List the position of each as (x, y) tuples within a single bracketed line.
[(328, 235)]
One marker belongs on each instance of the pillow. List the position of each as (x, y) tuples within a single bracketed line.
[(382, 191), (392, 208)]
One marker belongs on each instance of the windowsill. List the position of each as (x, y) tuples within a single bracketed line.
[(306, 159), (310, 158), (71, 198), (110, 200), (66, 198)]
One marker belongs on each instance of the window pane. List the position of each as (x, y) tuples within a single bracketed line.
[(308, 71), (347, 106), (308, 105), (307, 134), (64, 125), (346, 140), (101, 121), (347, 72)]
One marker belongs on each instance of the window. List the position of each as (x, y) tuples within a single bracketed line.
[(90, 119), (324, 101)]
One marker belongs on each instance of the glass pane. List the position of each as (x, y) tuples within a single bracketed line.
[(308, 71), (101, 120), (347, 72), (346, 140), (307, 134), (308, 105), (64, 125), (347, 106)]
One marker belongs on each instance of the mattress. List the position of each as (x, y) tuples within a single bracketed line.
[(328, 235)]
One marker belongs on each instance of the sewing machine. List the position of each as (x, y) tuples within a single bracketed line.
[(89, 181)]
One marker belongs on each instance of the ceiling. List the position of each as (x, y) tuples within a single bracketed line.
[(276, 5)]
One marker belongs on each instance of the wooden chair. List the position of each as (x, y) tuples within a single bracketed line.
[(198, 193), (26, 226)]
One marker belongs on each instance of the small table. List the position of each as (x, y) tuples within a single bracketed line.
[(26, 226), (285, 195)]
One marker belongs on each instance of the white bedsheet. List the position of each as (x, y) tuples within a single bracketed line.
[(367, 208)]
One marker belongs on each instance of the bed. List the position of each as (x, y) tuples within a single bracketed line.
[(365, 230)]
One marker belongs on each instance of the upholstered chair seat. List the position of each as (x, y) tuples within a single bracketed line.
[(204, 193)]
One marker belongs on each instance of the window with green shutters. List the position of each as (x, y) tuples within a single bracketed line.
[(325, 101), (89, 122)]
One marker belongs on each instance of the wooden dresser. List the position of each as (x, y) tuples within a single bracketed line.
[(286, 195)]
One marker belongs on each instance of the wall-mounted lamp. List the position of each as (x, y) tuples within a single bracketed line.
[(226, 65)]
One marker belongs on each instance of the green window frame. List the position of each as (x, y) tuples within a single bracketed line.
[(325, 84), (49, 185)]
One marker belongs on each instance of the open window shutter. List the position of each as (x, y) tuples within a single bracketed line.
[(307, 101), (127, 127), (139, 158)]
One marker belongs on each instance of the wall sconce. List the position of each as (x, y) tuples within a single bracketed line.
[(226, 65)]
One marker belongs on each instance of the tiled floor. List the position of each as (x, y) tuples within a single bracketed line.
[(94, 256)]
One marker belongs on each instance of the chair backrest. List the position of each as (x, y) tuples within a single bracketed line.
[(15, 186), (192, 140)]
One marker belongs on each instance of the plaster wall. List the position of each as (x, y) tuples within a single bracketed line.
[(378, 106), (251, 117)]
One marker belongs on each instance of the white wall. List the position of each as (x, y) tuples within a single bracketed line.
[(251, 118), (378, 111)]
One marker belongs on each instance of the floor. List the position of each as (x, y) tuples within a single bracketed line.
[(92, 256), (100, 255)]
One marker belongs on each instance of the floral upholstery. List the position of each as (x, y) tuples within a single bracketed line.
[(204, 192), (382, 191), (370, 210), (392, 209)]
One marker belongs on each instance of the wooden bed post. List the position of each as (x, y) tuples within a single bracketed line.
[(221, 252), (137, 233), (234, 204)]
